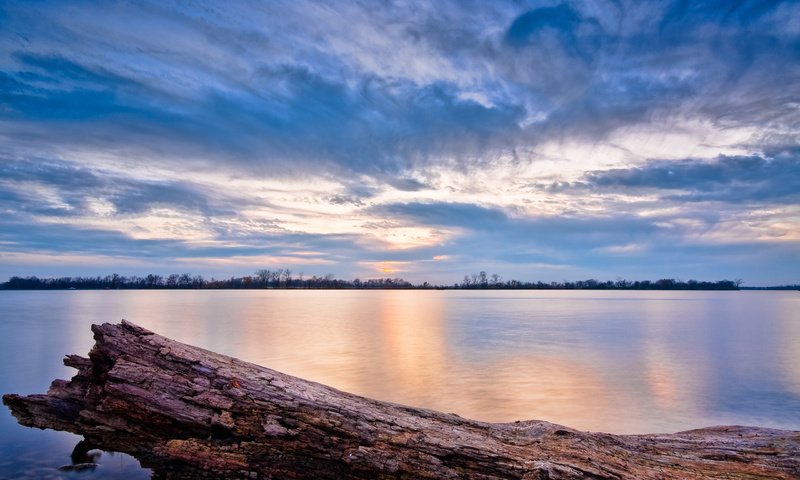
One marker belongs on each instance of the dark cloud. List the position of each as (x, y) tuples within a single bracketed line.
[(18, 235), (345, 200), (561, 18), (576, 35), (733, 179), (723, 12), (587, 72), (22, 236), (444, 214), (373, 126), (76, 187), (407, 184), (494, 225), (56, 69), (54, 88), (595, 73)]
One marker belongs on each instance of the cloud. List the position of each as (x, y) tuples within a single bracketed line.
[(345, 200), (559, 26), (262, 96), (561, 18), (688, 243), (371, 126), (52, 88), (74, 189), (491, 228), (407, 184), (738, 179), (19, 235), (587, 135), (444, 214)]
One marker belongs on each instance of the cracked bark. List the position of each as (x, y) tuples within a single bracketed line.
[(187, 412)]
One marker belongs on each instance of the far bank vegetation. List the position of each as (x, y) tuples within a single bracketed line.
[(284, 278)]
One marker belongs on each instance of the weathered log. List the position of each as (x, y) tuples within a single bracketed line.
[(186, 411)]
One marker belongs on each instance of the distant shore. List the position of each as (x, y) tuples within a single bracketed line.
[(283, 279)]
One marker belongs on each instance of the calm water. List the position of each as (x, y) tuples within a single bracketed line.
[(621, 362)]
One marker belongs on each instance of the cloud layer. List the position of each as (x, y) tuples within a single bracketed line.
[(541, 140)]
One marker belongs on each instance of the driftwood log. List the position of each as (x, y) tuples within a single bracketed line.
[(188, 412)]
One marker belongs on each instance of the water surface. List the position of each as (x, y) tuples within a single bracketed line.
[(620, 362)]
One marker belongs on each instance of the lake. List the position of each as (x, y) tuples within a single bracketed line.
[(613, 361)]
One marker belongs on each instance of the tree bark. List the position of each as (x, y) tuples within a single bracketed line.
[(188, 412)]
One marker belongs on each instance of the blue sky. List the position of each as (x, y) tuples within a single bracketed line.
[(426, 140)]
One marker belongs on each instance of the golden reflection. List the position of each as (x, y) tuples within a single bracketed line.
[(421, 371), (665, 376), (415, 351), (662, 380), (658, 367), (419, 348), (545, 387), (282, 330), (176, 317), (394, 346)]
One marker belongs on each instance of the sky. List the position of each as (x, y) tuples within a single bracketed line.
[(543, 140)]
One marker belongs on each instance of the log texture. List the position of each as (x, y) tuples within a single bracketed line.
[(188, 412)]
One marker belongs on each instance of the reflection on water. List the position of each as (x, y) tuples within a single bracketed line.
[(619, 362)]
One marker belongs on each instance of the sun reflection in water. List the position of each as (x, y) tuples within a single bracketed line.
[(666, 362)]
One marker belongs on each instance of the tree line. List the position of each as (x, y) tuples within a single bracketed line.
[(481, 280), (283, 278)]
